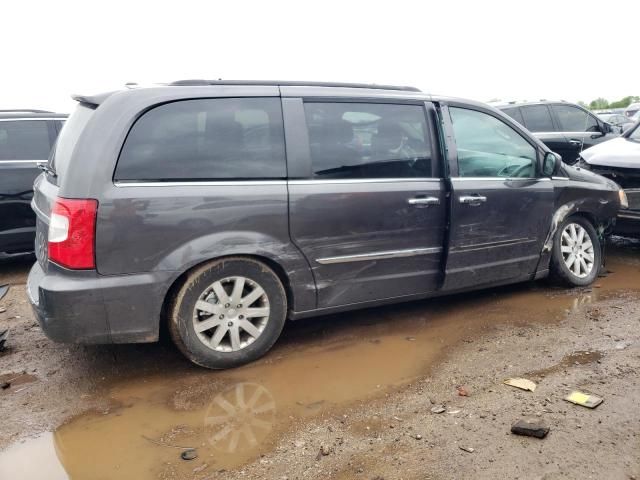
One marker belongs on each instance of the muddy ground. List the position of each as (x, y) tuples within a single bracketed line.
[(346, 396)]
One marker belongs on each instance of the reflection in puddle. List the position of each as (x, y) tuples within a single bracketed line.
[(240, 417), (319, 367)]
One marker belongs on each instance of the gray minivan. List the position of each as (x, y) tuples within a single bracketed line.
[(224, 208)]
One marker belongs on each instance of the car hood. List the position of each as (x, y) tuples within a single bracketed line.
[(619, 152)]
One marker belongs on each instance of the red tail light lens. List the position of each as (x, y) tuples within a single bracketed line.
[(72, 233)]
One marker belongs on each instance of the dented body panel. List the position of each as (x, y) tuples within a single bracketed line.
[(336, 244)]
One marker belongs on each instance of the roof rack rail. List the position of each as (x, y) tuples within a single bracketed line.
[(287, 83), (24, 110)]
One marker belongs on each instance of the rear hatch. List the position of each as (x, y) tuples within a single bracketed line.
[(47, 185)]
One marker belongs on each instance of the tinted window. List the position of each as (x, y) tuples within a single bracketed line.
[(488, 147), (24, 140), (574, 119), (515, 114), (537, 118), (364, 140), (225, 138)]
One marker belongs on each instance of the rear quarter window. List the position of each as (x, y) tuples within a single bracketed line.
[(515, 114), (206, 139), (24, 140), (537, 118), (68, 138)]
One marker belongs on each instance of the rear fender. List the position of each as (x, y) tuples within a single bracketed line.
[(209, 247)]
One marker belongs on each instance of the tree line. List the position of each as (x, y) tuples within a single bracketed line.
[(603, 104)]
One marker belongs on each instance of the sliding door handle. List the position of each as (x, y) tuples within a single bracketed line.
[(473, 199), (426, 201)]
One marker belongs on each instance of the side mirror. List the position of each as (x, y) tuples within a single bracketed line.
[(550, 164)]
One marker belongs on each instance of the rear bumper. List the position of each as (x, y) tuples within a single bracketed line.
[(85, 307)]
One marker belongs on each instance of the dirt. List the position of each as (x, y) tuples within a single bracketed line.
[(346, 396)]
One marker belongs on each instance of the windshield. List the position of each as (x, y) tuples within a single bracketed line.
[(68, 138)]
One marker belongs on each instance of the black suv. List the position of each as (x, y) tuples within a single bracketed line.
[(564, 127), (26, 137)]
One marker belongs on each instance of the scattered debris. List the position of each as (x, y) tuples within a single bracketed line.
[(410, 339), (438, 409), (529, 429), (3, 290), (5, 385), (462, 391), (200, 468), (521, 383), (584, 399), (453, 412), (467, 449), (4, 334), (189, 454), (418, 436), (323, 452)]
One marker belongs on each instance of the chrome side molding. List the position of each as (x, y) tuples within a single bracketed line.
[(364, 257)]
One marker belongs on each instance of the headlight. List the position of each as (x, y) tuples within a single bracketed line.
[(581, 163), (624, 202)]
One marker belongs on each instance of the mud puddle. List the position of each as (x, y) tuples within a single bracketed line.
[(320, 367), (572, 360)]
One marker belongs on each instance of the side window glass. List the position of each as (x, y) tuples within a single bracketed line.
[(24, 140), (488, 147), (537, 118), (206, 139), (574, 119), (367, 140)]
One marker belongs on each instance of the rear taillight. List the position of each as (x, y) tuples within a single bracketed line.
[(72, 233)]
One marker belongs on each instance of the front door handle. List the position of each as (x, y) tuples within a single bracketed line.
[(473, 199), (424, 201), (575, 143)]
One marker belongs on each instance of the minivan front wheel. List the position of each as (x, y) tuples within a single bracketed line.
[(577, 255), (228, 312)]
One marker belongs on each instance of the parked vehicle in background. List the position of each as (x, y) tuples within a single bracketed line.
[(224, 208), (632, 109), (617, 120), (26, 137), (619, 160), (565, 128)]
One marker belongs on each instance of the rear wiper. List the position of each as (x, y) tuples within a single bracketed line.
[(44, 166)]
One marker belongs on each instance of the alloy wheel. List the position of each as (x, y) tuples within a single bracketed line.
[(231, 314), (577, 250)]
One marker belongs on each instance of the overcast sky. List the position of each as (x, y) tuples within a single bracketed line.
[(528, 49)]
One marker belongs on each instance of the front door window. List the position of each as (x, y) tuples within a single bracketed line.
[(488, 147)]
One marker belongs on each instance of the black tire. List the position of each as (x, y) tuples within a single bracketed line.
[(180, 314), (559, 271)]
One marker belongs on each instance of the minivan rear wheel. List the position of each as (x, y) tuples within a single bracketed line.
[(576, 256), (228, 312)]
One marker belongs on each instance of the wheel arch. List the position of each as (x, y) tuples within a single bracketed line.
[(180, 279)]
